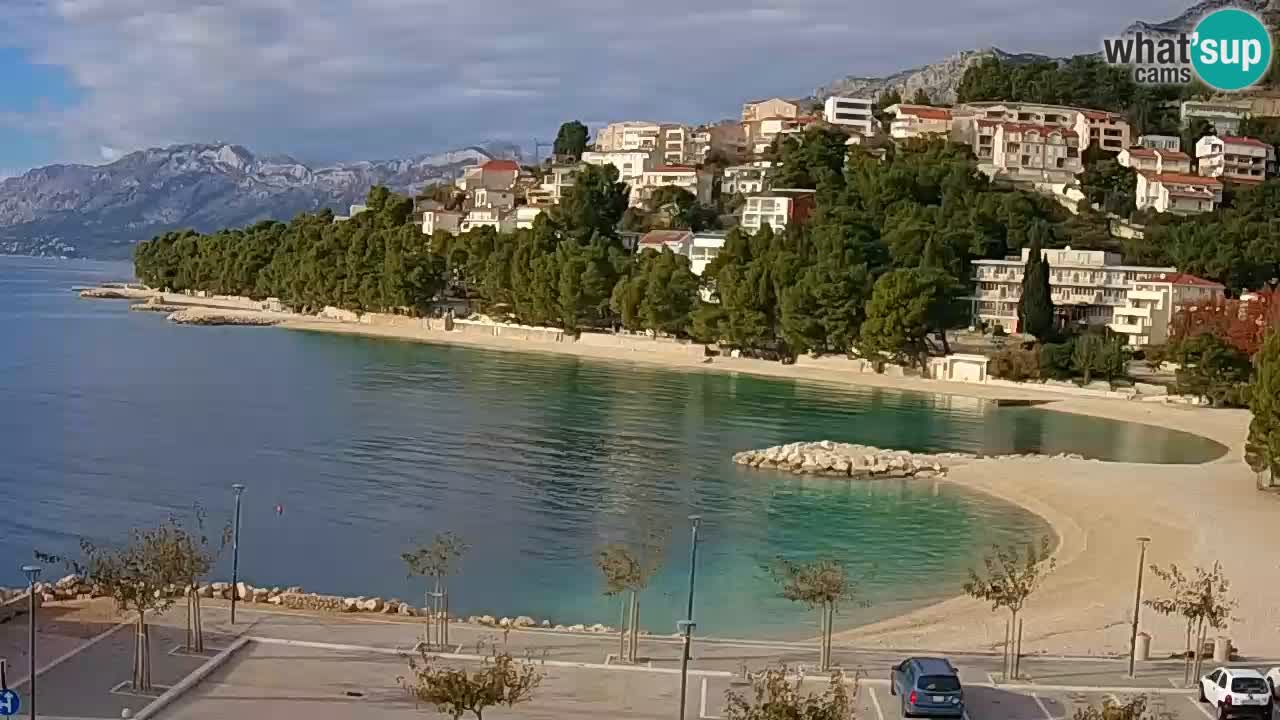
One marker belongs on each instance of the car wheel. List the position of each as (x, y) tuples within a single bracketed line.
[(905, 714), (1202, 697), (1222, 712), (893, 688)]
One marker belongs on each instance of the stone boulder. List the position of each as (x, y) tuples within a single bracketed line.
[(371, 605), (243, 591), (351, 605), (487, 620), (260, 595), (524, 621)]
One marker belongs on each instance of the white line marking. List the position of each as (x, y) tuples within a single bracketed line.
[(1200, 707), (1048, 715), (460, 656), (72, 653), (876, 703)]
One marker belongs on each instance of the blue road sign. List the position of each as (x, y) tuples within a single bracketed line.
[(9, 703)]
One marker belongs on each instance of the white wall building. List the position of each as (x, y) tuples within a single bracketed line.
[(677, 241), (704, 248), (850, 112), (447, 220), (1108, 130), (745, 179), (499, 220), (918, 121), (1173, 143), (629, 136), (772, 107), (695, 180), (1028, 151), (1225, 116), (678, 147), (558, 179), (1235, 159), (526, 214), (1150, 306), (776, 208), (1087, 285), (1178, 193), (1155, 161), (501, 199), (631, 165)]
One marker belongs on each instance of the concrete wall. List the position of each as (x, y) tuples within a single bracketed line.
[(15, 607)]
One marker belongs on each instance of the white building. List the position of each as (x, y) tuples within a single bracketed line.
[(1108, 130), (1155, 161), (433, 220), (558, 179), (631, 165), (353, 211), (526, 214), (776, 208), (1150, 306), (727, 139), (918, 121), (761, 133), (1235, 159), (1178, 193), (772, 107), (678, 147), (501, 199), (745, 179), (850, 112), (695, 180), (629, 136), (677, 241), (1028, 151), (1087, 286), (1224, 116), (704, 248), (1173, 143), (499, 220)]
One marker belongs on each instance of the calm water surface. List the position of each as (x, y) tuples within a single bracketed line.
[(111, 419)]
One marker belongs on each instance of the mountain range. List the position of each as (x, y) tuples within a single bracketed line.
[(101, 211)]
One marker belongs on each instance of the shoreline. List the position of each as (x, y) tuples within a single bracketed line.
[(1195, 514)]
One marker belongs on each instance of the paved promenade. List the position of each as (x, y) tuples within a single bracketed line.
[(294, 665)]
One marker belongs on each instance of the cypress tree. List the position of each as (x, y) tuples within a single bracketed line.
[(1262, 448), (1035, 307)]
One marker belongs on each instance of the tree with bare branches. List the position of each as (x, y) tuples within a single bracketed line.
[(629, 568), (435, 561), (1012, 575), (1203, 602), (500, 681), (194, 556), (822, 584), (777, 694)]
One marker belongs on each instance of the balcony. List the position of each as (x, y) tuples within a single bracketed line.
[(1126, 328), (1131, 311), (1154, 295)]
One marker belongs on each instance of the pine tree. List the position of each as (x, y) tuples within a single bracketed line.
[(1262, 449), (1035, 307)]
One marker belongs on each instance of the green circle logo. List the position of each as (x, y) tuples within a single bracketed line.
[(1231, 49)]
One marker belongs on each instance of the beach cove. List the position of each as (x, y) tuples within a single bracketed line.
[(1075, 497)]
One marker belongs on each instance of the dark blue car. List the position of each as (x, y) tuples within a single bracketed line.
[(929, 687)]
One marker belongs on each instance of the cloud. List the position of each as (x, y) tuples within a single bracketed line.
[(329, 80)]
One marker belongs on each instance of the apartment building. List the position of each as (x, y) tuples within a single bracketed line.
[(491, 175), (776, 208), (1028, 151), (1160, 142), (1107, 130), (1235, 159), (760, 134), (772, 107), (631, 164), (526, 214), (1087, 286), (1178, 193), (695, 180), (745, 179), (629, 136), (557, 180), (726, 139), (1223, 115), (1149, 307), (703, 248), (678, 147), (439, 219), (500, 199), (488, 217), (918, 121), (1155, 161), (853, 113)]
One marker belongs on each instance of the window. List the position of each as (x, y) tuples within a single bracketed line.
[(939, 683), (1248, 685), (1222, 680)]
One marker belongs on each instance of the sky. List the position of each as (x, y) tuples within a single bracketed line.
[(325, 81)]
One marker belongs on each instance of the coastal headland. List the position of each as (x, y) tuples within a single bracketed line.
[(1195, 514)]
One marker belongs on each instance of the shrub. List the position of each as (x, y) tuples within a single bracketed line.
[(1055, 360), (1016, 364)]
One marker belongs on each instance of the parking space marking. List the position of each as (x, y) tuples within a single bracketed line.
[(1200, 707), (1048, 715), (875, 702)]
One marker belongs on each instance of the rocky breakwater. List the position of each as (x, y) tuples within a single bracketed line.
[(831, 459), (117, 293), (217, 316)]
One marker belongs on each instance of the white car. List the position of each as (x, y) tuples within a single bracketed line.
[(1237, 691)]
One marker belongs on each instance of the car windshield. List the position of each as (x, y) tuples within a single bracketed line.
[(1248, 685), (940, 683)]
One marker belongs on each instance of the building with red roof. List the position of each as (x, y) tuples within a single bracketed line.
[(918, 121), (1147, 313), (1235, 159), (1179, 193), (1152, 160)]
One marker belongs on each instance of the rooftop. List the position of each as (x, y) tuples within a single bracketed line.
[(655, 238), (501, 165), (1186, 279), (924, 112), (1238, 140), (1183, 179)]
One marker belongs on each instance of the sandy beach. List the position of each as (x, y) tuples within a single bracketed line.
[(1194, 514)]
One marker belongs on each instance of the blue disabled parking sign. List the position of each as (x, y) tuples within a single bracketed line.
[(9, 703)]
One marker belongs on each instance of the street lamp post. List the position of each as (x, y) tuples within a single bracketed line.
[(687, 625), (32, 572), (1137, 603), (235, 553)]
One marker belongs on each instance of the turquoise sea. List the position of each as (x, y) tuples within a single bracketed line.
[(353, 448)]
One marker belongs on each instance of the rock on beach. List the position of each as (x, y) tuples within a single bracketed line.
[(831, 459)]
